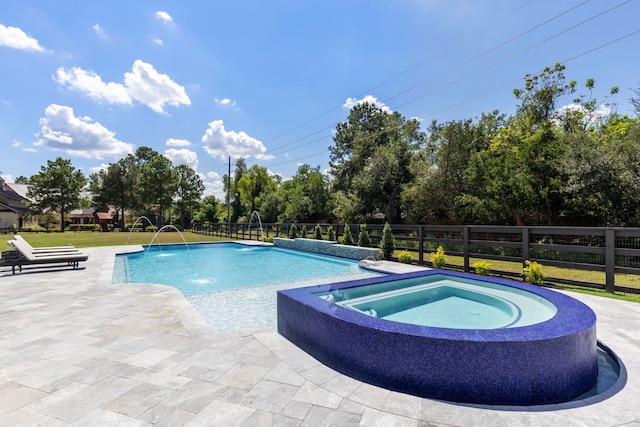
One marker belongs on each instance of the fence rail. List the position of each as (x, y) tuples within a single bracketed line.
[(604, 258)]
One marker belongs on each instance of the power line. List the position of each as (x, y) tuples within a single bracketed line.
[(406, 70), (281, 147), (480, 95)]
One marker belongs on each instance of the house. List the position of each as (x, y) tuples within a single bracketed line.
[(14, 212)]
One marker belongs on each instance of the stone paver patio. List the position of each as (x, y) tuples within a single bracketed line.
[(76, 350)]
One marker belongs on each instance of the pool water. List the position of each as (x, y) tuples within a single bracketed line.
[(214, 267), (439, 301)]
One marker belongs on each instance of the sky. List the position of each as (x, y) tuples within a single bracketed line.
[(202, 81)]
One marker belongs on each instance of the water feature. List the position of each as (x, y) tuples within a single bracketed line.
[(136, 222), (261, 238), (165, 227)]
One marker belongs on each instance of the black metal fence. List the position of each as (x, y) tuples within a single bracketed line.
[(604, 258)]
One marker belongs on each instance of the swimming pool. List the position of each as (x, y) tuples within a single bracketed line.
[(213, 267)]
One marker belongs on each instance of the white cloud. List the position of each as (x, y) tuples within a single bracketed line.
[(352, 102), (213, 185), (143, 84), (182, 156), (99, 31), (164, 17), (172, 142), (16, 38), (16, 143), (96, 169), (153, 89), (589, 118), (61, 130), (225, 102), (219, 142), (92, 85), (7, 178), (159, 42)]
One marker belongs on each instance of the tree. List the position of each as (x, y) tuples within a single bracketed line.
[(371, 156), (207, 210), (57, 188), (156, 181), (306, 196), (21, 180), (387, 243), (189, 190), (116, 186), (439, 167)]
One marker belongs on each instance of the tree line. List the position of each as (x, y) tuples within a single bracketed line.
[(543, 165)]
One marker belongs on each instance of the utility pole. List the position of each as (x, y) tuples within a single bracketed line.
[(229, 200)]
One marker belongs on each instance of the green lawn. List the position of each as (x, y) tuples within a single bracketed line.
[(83, 239)]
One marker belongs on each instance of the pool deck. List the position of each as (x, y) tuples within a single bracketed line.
[(75, 349)]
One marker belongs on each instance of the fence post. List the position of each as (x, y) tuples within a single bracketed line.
[(420, 246), (525, 244), (610, 259), (465, 245)]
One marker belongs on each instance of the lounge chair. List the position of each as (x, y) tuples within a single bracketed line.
[(24, 256), (48, 249)]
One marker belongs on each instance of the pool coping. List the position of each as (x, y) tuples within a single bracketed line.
[(315, 394)]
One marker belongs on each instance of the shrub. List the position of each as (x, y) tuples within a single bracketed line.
[(267, 239), (533, 272), (363, 236), (347, 238), (405, 257), (293, 231), (387, 244), (438, 259), (482, 267), (331, 234), (317, 232), (303, 232)]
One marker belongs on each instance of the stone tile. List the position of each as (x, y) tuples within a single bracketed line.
[(370, 395), (105, 418), (261, 418), (284, 374), (269, 396), (373, 417), (138, 400), (342, 385), (404, 405), (166, 374), (295, 409), (158, 413), (44, 373), (176, 418), (98, 371), (89, 399), (351, 406), (231, 394), (315, 395), (15, 396), (219, 413), (243, 376), (28, 418), (149, 357), (319, 374), (202, 374), (193, 396), (325, 417)]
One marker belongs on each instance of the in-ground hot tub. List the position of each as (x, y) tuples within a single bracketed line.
[(448, 336)]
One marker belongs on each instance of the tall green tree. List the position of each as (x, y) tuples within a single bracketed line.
[(371, 155), (57, 187), (207, 210), (306, 196), (188, 192), (116, 186), (156, 182)]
